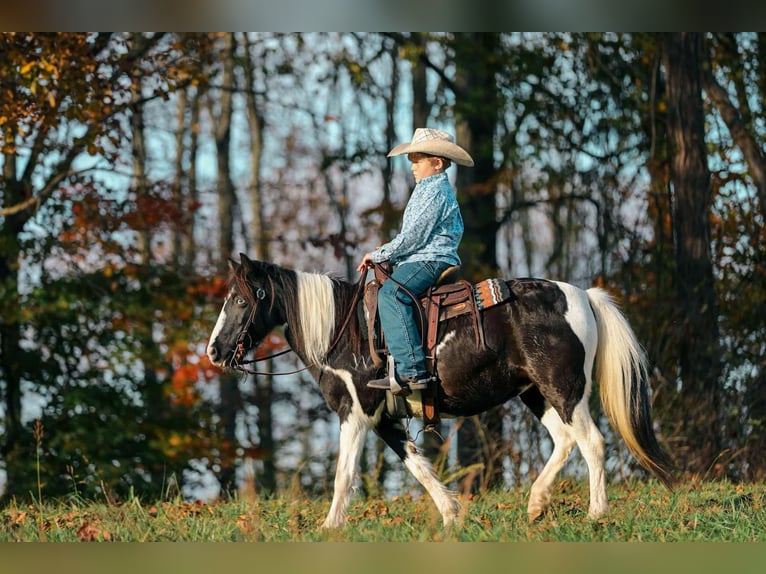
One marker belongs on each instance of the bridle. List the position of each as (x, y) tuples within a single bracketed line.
[(260, 295)]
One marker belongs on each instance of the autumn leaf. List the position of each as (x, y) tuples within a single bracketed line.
[(91, 533)]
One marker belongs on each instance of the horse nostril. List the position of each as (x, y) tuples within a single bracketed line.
[(212, 353)]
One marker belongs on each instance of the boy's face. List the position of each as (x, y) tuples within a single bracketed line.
[(424, 165)]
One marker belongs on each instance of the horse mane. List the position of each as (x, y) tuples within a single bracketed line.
[(311, 316), (310, 303), (315, 309)]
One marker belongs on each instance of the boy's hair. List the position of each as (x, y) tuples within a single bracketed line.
[(446, 162)]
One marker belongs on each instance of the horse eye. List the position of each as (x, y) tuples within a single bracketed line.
[(240, 301)]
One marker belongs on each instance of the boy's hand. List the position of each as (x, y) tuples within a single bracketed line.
[(366, 263)]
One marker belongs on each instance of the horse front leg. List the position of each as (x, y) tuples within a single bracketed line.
[(394, 435), (353, 431)]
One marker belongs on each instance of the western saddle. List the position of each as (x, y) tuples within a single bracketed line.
[(449, 297)]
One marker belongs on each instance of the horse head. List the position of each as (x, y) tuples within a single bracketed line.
[(250, 311)]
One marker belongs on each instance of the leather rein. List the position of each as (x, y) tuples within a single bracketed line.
[(260, 294)]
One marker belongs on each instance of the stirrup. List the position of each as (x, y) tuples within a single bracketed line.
[(386, 383), (399, 385)]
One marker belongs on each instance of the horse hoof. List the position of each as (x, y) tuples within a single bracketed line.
[(534, 514), (332, 525)]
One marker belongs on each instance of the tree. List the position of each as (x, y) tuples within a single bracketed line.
[(264, 385), (734, 81), (63, 111), (699, 349)]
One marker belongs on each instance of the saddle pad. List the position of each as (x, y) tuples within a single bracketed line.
[(491, 292)]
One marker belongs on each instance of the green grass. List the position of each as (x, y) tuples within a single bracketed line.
[(640, 511)]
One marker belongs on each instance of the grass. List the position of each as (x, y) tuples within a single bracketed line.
[(640, 511)]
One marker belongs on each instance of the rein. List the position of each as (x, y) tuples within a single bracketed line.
[(260, 295)]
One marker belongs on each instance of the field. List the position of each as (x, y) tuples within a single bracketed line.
[(640, 511)]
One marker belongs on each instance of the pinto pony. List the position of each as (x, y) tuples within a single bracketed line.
[(544, 345)]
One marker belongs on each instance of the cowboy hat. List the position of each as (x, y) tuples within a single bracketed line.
[(434, 142)]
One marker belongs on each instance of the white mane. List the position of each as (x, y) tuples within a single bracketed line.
[(316, 314)]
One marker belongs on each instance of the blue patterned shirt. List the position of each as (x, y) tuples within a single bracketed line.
[(432, 226)]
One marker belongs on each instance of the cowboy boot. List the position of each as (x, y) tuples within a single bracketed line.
[(399, 385)]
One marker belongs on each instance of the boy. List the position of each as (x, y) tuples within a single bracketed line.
[(432, 228)]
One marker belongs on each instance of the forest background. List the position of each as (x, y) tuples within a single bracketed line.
[(134, 165)]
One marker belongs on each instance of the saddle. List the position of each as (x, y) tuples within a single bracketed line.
[(447, 299)]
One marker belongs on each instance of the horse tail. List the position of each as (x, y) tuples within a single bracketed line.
[(623, 378)]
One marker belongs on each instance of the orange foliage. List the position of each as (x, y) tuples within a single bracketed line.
[(214, 288), (188, 372), (182, 385), (273, 343)]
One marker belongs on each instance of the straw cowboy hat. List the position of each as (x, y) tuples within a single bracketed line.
[(434, 142)]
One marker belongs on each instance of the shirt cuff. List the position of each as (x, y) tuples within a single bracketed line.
[(379, 255)]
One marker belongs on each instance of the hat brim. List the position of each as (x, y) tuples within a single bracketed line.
[(435, 147)]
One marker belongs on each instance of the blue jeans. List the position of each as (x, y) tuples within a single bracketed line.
[(399, 318)]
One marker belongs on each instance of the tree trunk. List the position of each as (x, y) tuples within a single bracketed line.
[(139, 172), (226, 195), (11, 353), (179, 223), (476, 114), (10, 349), (230, 399), (263, 384), (420, 105), (699, 353), (189, 244)]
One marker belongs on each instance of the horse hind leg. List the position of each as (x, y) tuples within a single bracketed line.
[(394, 435), (563, 442), (591, 443), (583, 432)]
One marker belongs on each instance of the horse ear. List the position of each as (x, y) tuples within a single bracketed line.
[(246, 262), (254, 264), (233, 265)]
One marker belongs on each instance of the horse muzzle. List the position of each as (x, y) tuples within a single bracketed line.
[(218, 358), (225, 360)]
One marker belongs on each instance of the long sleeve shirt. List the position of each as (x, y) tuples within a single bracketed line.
[(432, 226)]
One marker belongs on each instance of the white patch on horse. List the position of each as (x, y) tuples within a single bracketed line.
[(356, 408), (218, 327), (443, 343), (583, 323), (353, 432), (582, 429), (316, 312)]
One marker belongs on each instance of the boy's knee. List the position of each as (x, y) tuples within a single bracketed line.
[(387, 291)]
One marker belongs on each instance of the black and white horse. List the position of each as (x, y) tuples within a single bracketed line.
[(544, 345)]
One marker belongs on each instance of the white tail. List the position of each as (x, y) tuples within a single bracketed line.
[(623, 379)]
